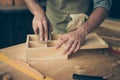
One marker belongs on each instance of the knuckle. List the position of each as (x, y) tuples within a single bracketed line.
[(72, 39), (44, 21), (40, 24), (61, 38), (71, 50)]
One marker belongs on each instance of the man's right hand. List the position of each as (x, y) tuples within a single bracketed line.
[(40, 26), (40, 22)]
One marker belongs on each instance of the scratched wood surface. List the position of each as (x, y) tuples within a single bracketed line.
[(88, 62)]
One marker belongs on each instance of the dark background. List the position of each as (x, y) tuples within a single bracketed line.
[(15, 25), (115, 9)]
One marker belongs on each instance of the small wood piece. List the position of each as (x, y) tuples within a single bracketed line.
[(36, 51), (116, 48)]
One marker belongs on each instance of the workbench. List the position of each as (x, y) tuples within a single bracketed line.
[(98, 62)]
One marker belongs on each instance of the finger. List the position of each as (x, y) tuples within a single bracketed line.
[(77, 47), (45, 30), (72, 48), (68, 46), (41, 32), (50, 27), (61, 41), (34, 28)]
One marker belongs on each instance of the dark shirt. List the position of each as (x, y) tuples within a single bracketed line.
[(102, 3)]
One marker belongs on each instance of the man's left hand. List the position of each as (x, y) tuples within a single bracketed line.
[(72, 40)]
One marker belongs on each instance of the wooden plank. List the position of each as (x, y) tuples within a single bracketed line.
[(111, 38), (21, 66), (111, 24), (93, 41)]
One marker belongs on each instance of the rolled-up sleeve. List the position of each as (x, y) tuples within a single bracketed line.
[(102, 3)]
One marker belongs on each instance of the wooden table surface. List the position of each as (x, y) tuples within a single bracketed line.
[(90, 62), (86, 62)]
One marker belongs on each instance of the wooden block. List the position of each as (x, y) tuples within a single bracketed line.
[(36, 45), (38, 54), (19, 2), (36, 51), (55, 37), (6, 2)]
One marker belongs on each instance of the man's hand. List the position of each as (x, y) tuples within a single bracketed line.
[(40, 22), (72, 40), (40, 26)]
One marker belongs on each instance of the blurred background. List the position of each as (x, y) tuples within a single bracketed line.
[(16, 20)]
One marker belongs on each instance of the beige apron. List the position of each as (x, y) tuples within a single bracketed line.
[(61, 13)]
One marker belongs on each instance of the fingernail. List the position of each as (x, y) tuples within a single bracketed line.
[(68, 53), (41, 39), (45, 39), (74, 51)]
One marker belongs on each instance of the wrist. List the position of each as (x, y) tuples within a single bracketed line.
[(83, 29), (38, 12)]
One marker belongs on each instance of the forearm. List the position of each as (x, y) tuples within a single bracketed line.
[(95, 19), (34, 7)]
